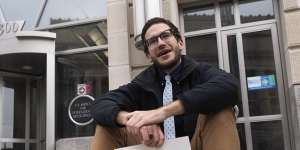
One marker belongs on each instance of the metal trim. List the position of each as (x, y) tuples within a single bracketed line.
[(72, 23), (82, 50)]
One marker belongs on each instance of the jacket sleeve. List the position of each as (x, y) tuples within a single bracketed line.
[(105, 109), (214, 89)]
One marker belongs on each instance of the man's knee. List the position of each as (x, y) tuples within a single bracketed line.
[(217, 130), (106, 138)]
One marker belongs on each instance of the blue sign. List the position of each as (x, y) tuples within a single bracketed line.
[(261, 82)]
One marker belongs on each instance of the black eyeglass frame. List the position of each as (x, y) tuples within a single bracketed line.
[(161, 36)]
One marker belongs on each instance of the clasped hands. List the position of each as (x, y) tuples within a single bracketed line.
[(145, 125)]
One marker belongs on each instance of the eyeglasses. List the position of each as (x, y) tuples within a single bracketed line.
[(153, 41)]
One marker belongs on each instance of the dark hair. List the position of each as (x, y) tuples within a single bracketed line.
[(157, 20)]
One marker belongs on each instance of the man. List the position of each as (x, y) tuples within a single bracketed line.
[(174, 97)]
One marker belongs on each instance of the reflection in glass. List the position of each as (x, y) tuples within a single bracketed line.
[(267, 135), (227, 13), (26, 10), (34, 98), (203, 48), (234, 66), (57, 11), (256, 10), (88, 68), (81, 36), (13, 107), (242, 136), (199, 18), (24, 63), (12, 146), (259, 64), (32, 146)]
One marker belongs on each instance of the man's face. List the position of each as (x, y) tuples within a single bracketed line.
[(164, 49)]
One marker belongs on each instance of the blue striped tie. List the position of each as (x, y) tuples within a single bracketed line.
[(169, 125)]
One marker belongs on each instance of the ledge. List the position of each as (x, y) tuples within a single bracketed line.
[(38, 34)]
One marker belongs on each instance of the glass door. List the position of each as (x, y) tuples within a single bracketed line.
[(252, 55), (20, 112)]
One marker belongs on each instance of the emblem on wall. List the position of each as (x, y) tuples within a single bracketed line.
[(79, 108)]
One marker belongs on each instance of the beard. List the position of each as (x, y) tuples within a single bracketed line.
[(171, 64)]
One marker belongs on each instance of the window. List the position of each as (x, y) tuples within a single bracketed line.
[(256, 10), (80, 36), (58, 11), (203, 48), (71, 70), (199, 18)]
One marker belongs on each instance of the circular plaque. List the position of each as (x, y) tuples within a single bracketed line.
[(79, 110)]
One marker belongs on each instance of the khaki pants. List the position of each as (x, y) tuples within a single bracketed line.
[(213, 132)]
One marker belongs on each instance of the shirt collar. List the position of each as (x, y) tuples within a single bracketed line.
[(175, 74)]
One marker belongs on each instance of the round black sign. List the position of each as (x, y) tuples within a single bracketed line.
[(79, 110)]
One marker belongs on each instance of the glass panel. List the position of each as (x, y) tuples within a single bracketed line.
[(199, 18), (256, 10), (234, 66), (13, 108), (227, 13), (242, 136), (260, 73), (89, 69), (33, 109), (81, 36), (25, 63), (267, 135), (27, 10), (32, 146), (12, 146), (71, 10), (203, 48)]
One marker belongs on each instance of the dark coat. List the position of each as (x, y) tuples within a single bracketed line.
[(205, 89)]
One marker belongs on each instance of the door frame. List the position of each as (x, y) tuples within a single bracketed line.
[(247, 119), (40, 119), (38, 42)]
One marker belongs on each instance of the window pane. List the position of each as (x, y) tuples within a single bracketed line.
[(12, 146), (227, 13), (57, 11), (26, 10), (256, 10), (242, 136), (13, 108), (203, 48), (81, 36), (199, 18), (24, 63), (88, 68), (267, 135), (260, 73), (32, 146), (234, 66)]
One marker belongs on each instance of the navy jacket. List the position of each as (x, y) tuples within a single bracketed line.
[(205, 89)]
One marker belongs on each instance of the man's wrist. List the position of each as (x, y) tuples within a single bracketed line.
[(122, 117), (173, 109)]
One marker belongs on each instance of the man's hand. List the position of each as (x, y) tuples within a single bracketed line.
[(152, 136), (137, 119)]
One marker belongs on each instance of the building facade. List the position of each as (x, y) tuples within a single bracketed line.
[(56, 57)]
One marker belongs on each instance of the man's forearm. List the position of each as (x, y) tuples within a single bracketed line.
[(173, 109)]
